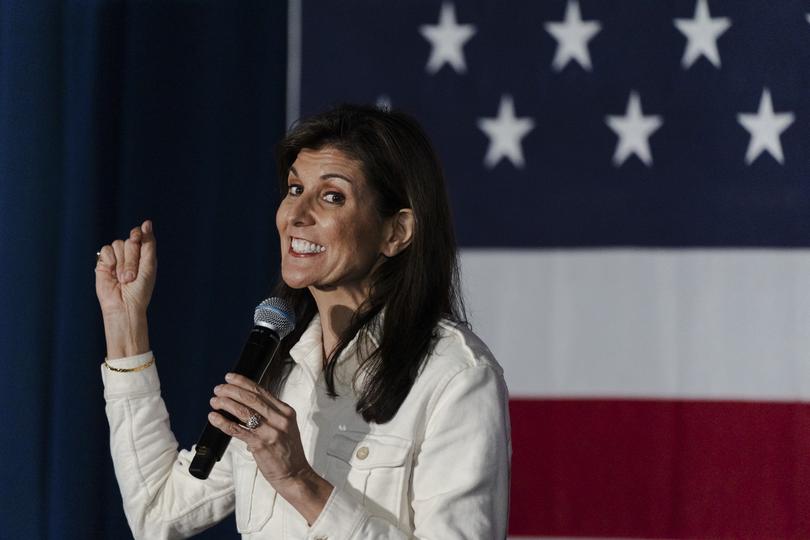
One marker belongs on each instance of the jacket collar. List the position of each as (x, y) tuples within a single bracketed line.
[(308, 351)]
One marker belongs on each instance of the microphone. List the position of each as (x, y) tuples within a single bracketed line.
[(273, 320)]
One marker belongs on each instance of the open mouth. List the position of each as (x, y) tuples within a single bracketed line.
[(300, 246)]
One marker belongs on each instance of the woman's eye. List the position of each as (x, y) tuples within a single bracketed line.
[(334, 197), (295, 189)]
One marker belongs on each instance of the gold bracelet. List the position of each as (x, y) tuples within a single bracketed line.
[(130, 370)]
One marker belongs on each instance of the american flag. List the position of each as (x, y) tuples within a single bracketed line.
[(631, 187)]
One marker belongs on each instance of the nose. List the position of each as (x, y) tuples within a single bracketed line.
[(300, 211)]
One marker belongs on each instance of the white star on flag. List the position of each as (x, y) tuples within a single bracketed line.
[(447, 39), (383, 102), (765, 127), (572, 35), (634, 130), (702, 33), (505, 133)]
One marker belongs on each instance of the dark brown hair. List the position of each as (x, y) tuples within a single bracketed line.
[(418, 286)]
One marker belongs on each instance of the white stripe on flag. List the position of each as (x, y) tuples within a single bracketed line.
[(711, 324)]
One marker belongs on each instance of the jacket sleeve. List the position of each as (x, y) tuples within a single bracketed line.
[(460, 484), (161, 498)]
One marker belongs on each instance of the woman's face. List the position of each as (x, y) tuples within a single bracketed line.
[(331, 234)]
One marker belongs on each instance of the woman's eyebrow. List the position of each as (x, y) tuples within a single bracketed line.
[(326, 176), (336, 175)]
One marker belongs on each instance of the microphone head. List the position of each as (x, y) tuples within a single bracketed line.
[(275, 314)]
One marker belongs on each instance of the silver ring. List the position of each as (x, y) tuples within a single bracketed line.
[(254, 421), (98, 256)]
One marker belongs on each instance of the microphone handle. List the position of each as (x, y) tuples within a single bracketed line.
[(259, 349)]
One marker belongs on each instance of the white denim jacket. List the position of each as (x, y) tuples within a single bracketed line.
[(439, 469)]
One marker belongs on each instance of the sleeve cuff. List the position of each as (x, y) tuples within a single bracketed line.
[(129, 384), (340, 518)]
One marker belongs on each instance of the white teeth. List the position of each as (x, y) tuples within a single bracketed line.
[(304, 246)]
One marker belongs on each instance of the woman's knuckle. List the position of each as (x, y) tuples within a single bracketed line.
[(288, 413)]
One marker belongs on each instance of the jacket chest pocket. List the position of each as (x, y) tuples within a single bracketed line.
[(376, 467), (255, 497)]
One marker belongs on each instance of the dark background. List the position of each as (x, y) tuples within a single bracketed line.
[(112, 112)]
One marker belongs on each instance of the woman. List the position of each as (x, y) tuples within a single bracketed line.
[(383, 415)]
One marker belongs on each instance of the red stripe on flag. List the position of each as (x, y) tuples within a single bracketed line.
[(660, 469)]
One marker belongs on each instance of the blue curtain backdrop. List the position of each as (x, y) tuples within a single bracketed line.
[(112, 112)]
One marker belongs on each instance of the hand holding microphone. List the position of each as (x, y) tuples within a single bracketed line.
[(266, 425), (273, 320)]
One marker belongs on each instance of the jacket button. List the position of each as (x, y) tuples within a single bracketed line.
[(362, 452)]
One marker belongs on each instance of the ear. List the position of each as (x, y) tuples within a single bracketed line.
[(398, 230)]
